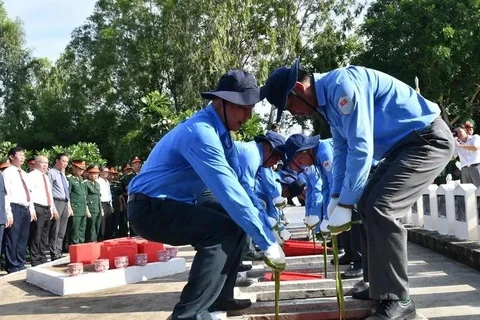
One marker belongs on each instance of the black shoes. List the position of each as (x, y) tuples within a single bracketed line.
[(255, 256), (244, 267), (243, 282), (394, 310), (353, 272), (343, 261), (362, 294), (230, 305)]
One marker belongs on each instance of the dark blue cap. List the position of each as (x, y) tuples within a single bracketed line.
[(295, 185), (279, 84), (276, 140), (285, 177), (236, 86), (299, 142)]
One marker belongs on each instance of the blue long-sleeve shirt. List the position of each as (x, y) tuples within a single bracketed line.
[(368, 112), (195, 155), (262, 194), (267, 180), (250, 160), (319, 180)]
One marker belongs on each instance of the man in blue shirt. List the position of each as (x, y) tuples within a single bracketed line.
[(196, 154), (314, 158), (255, 160), (372, 116)]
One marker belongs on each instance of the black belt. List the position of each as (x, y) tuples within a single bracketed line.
[(138, 197), (62, 200), (41, 206), (105, 202), (472, 165), (19, 205)]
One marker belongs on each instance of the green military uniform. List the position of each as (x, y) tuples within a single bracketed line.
[(116, 190), (78, 201), (95, 207), (123, 227)]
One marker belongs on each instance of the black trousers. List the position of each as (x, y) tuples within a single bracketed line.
[(122, 224), (351, 241), (107, 223), (207, 199), (2, 229), (407, 171), (217, 239), (16, 239), (39, 232)]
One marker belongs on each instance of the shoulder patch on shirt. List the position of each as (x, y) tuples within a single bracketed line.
[(345, 104), (327, 165)]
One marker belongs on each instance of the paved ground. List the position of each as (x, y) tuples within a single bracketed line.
[(441, 288)]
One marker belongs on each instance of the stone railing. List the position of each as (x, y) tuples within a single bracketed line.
[(450, 209)]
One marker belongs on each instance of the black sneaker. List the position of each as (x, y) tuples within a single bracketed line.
[(230, 305), (353, 272), (254, 256), (343, 261), (243, 282), (244, 267), (394, 310), (362, 294)]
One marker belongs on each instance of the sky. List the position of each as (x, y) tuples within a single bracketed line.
[(48, 24)]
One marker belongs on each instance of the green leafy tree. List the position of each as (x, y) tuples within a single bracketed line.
[(438, 41)]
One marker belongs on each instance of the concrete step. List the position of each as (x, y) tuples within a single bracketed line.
[(322, 284), (303, 294), (322, 308)]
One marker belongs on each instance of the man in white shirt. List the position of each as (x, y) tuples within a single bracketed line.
[(19, 193), (6, 218), (106, 227), (45, 210), (468, 151)]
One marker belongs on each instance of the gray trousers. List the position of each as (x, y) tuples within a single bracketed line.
[(471, 175), (58, 228), (408, 170)]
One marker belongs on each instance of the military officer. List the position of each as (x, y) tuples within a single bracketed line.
[(136, 164), (128, 175), (94, 204), (78, 202), (116, 189)]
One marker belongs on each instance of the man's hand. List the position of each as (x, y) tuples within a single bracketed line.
[(89, 215), (285, 234), (311, 222), (280, 202), (324, 228), (341, 220), (33, 216), (275, 257), (9, 221), (273, 223), (331, 206), (70, 211)]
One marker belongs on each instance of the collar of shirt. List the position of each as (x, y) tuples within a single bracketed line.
[(217, 122), (260, 153), (320, 91)]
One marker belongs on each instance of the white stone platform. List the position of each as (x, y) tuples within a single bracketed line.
[(61, 284)]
